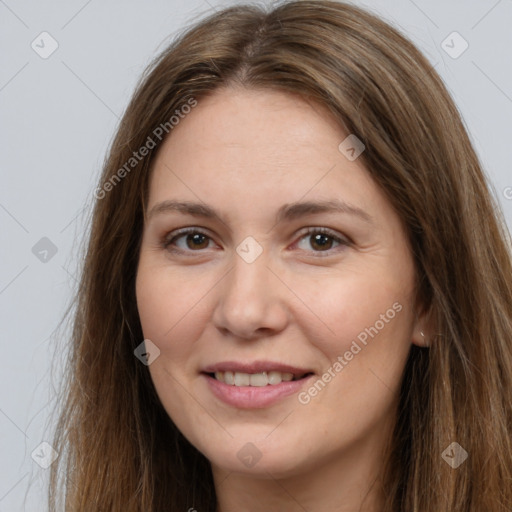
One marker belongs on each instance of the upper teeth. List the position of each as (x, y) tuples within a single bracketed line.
[(253, 379)]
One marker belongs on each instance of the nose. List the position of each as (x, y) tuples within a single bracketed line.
[(251, 300)]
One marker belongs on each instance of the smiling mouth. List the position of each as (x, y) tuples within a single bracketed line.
[(261, 379)]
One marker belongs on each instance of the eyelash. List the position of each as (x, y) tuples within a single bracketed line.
[(172, 237)]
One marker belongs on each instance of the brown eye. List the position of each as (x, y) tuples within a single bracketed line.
[(186, 240), (321, 240), (196, 241)]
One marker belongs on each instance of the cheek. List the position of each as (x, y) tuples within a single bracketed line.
[(364, 346), (171, 315), (347, 308), (166, 304), (361, 330)]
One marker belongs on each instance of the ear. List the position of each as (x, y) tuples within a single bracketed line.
[(423, 331)]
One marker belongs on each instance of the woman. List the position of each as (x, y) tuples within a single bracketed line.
[(296, 294)]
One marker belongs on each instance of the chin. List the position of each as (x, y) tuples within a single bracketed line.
[(261, 458)]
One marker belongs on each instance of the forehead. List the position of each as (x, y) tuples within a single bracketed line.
[(243, 148), (239, 124)]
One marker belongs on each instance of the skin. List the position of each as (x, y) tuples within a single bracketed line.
[(246, 153)]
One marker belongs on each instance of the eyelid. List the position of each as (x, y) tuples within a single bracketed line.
[(178, 233), (342, 240), (327, 231)]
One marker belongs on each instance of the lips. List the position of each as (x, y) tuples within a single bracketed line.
[(254, 385)]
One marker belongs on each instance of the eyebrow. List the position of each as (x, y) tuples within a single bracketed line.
[(287, 212)]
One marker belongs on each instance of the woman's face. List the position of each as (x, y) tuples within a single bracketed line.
[(269, 254)]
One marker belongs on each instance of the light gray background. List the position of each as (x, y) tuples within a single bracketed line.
[(58, 116)]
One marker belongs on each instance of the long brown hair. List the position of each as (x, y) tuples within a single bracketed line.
[(119, 450)]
